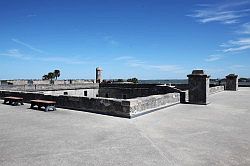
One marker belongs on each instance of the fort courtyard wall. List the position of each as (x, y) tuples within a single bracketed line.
[(123, 100)]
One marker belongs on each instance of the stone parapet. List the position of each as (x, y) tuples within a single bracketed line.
[(47, 87), (143, 105), (127, 108), (216, 89)]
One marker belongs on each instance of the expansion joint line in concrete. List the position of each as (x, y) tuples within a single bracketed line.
[(168, 158)]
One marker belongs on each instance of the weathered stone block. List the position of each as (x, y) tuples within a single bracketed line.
[(198, 87), (232, 82)]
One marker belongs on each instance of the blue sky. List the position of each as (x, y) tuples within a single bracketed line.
[(147, 39)]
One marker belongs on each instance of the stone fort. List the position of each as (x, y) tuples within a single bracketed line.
[(118, 99)]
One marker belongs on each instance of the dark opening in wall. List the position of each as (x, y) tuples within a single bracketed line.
[(30, 82), (107, 95), (65, 93), (124, 96), (85, 93)]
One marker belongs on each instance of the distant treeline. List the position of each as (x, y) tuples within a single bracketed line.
[(131, 80), (240, 80), (244, 80), (185, 81)]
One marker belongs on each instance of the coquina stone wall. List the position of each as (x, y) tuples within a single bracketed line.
[(216, 89), (142, 105), (75, 92), (117, 107), (43, 82), (47, 87), (134, 90)]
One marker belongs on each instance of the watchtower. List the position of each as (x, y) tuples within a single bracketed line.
[(98, 75)]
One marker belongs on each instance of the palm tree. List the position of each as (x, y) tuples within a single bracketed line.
[(134, 80), (57, 73), (51, 75), (45, 77)]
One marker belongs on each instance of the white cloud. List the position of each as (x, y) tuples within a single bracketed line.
[(110, 40), (123, 58), (245, 28), (136, 63), (238, 67), (237, 49), (215, 72), (61, 60), (242, 41), (212, 58), (166, 68), (15, 53), (130, 60), (27, 45), (224, 13), (133, 62), (234, 4), (236, 45)]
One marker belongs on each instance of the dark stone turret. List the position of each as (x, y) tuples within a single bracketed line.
[(232, 82), (198, 83)]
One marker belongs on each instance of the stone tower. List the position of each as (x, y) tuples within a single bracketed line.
[(198, 87), (232, 82), (98, 75)]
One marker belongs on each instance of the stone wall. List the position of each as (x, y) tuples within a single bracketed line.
[(27, 96), (216, 89), (44, 82), (116, 107), (124, 85), (47, 87), (129, 91), (142, 105), (76, 92), (96, 105), (181, 86)]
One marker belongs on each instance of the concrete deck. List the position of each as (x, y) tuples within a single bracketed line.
[(195, 135)]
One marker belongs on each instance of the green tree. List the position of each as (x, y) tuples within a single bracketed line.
[(45, 77), (51, 75), (134, 80), (57, 73), (120, 80)]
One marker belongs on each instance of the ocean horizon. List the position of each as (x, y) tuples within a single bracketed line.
[(167, 81)]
